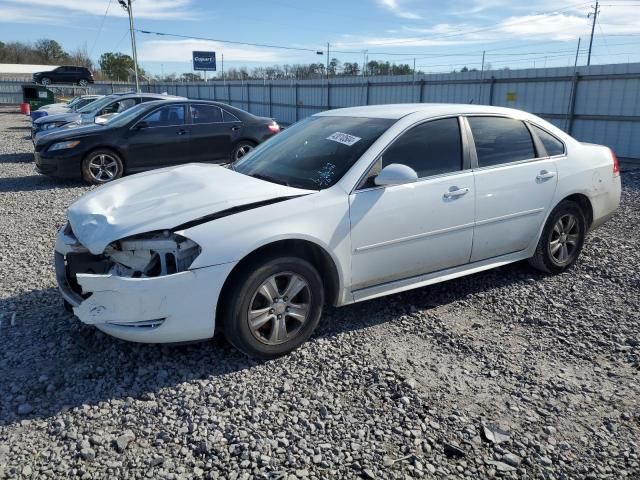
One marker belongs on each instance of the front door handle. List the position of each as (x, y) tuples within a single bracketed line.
[(235, 129), (182, 131), (545, 174), (455, 192)]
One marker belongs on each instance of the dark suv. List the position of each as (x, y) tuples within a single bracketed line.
[(65, 74)]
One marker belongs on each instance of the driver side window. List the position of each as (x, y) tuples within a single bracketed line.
[(431, 148)]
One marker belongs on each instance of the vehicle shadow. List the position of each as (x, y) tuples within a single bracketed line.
[(52, 362), (35, 182), (16, 157)]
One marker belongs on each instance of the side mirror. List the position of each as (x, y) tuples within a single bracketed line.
[(395, 174), (141, 125)]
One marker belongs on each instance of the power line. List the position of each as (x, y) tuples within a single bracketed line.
[(104, 17), (235, 42)]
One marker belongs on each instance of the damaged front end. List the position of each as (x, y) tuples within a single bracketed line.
[(136, 283)]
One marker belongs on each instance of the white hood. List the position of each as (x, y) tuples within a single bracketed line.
[(163, 199)]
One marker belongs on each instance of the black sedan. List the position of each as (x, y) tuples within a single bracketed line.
[(152, 135)]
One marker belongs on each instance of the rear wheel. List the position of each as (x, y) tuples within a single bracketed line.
[(561, 240), (102, 166), (273, 307), (83, 83), (241, 149)]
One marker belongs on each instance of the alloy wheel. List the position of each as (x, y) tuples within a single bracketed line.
[(242, 151), (279, 308), (103, 167), (564, 239), (83, 83)]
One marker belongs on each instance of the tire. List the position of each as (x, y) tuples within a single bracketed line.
[(83, 82), (45, 81), (299, 315), (562, 239), (102, 166), (241, 149)]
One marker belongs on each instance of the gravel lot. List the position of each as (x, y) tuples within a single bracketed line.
[(507, 373)]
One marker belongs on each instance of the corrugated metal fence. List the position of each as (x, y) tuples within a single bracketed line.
[(599, 104)]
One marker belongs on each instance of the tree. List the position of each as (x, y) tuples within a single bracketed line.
[(334, 66), (51, 51), (191, 77), (351, 69), (116, 66)]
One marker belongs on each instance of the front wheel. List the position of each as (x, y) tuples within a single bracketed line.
[(45, 81), (102, 166), (273, 307), (241, 149), (83, 83), (561, 240)]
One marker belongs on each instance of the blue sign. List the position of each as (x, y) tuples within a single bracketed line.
[(204, 61)]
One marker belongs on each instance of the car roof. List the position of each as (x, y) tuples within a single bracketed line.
[(397, 111), (236, 111), (159, 96)]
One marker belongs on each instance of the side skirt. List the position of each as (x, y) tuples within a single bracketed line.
[(437, 277)]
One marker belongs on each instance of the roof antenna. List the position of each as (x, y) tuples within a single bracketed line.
[(471, 101)]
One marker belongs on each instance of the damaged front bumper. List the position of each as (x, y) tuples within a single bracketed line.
[(176, 307)]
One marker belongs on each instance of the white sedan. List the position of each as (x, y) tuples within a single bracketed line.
[(345, 206)]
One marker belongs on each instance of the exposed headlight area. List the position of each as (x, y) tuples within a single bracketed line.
[(152, 255), (147, 255), (63, 145)]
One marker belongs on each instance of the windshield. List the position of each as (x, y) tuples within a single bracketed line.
[(73, 101), (121, 119), (315, 153), (97, 105)]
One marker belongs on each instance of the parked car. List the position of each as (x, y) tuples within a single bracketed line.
[(152, 135), (345, 206), (65, 107), (65, 74), (115, 103)]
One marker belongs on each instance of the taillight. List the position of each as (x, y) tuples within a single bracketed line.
[(616, 164), (274, 127)]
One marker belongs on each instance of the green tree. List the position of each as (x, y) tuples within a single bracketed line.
[(116, 66), (334, 66), (50, 51), (352, 69), (191, 77)]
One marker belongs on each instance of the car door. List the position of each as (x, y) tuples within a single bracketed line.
[(515, 183), (211, 136), (406, 230), (159, 139)]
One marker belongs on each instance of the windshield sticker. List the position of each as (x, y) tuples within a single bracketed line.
[(343, 138)]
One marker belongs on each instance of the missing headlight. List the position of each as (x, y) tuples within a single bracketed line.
[(152, 255)]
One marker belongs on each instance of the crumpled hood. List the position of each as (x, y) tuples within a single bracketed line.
[(163, 199)]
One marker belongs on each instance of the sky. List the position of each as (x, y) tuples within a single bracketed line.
[(439, 35)]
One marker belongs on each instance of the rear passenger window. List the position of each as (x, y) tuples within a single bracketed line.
[(205, 114), (228, 117), (552, 145), (432, 148), (501, 140)]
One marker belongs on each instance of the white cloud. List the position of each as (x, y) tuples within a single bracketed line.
[(151, 9), (555, 26), (180, 51), (394, 7)]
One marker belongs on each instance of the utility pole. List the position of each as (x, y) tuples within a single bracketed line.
[(327, 61), (596, 11), (223, 81), (126, 4), (575, 65)]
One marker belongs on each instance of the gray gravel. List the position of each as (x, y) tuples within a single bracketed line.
[(507, 373)]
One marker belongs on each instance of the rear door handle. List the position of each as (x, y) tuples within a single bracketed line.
[(182, 131), (235, 128), (545, 174), (455, 192)]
